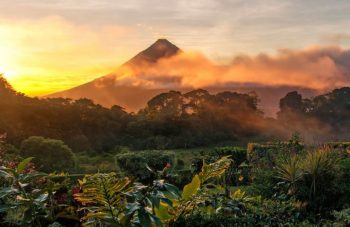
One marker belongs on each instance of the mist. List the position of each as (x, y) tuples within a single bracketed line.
[(319, 68)]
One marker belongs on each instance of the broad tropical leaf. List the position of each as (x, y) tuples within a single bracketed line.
[(191, 188)]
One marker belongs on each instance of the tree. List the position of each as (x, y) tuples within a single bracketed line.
[(49, 154), (293, 100), (5, 87), (320, 117), (166, 105)]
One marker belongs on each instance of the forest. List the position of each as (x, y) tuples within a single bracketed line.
[(186, 159), (173, 120)]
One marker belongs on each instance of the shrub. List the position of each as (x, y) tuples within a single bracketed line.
[(344, 166), (321, 177), (262, 154), (8, 154), (135, 163), (181, 177), (263, 182), (313, 178), (342, 218), (49, 154), (252, 211), (238, 154), (266, 154)]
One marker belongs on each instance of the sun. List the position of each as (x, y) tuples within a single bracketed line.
[(8, 74)]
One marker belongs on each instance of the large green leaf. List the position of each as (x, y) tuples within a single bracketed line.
[(191, 188), (23, 164), (144, 218), (175, 192), (4, 192), (162, 212)]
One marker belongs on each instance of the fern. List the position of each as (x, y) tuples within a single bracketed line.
[(103, 198)]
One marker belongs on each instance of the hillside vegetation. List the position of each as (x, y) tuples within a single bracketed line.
[(193, 159)]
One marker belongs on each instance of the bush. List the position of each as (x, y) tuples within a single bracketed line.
[(252, 212), (262, 154), (314, 178), (321, 178), (238, 154), (263, 182), (344, 166), (8, 153), (101, 163), (134, 163), (267, 154), (49, 154), (181, 177)]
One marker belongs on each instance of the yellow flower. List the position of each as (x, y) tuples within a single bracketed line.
[(240, 178)]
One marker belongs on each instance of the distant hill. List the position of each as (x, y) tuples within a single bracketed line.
[(116, 89)]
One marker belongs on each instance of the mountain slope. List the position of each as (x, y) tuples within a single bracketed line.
[(107, 92), (130, 88)]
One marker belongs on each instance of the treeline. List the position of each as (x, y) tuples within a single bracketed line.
[(322, 118), (170, 120)]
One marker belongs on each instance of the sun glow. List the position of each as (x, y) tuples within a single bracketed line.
[(8, 74), (50, 54)]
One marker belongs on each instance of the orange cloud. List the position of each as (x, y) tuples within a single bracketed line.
[(317, 68)]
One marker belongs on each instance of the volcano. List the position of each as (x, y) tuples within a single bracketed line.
[(161, 49), (107, 92), (130, 88)]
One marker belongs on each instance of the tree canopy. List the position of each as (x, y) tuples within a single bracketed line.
[(170, 120)]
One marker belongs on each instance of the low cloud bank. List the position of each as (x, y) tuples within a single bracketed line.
[(320, 68)]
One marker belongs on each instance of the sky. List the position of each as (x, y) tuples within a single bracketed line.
[(52, 45)]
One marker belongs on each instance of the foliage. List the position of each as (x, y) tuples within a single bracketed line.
[(237, 154), (103, 197), (264, 182), (194, 193), (249, 211), (262, 155), (297, 193), (89, 164), (344, 185), (135, 163), (108, 199), (170, 120), (25, 200), (290, 172), (321, 117), (266, 155), (342, 218), (321, 177), (313, 178), (47, 152)]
